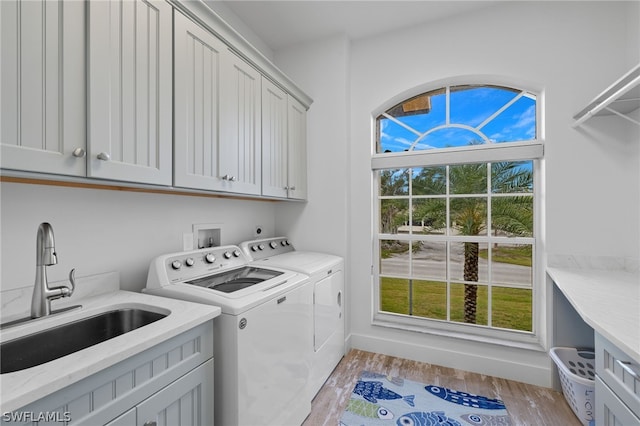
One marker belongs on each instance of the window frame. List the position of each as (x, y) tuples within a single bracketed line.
[(532, 150)]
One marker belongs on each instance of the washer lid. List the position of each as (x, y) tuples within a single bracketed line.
[(236, 279)]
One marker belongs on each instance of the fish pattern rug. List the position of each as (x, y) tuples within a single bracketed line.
[(378, 399)]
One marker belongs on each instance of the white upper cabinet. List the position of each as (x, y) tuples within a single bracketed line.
[(146, 92), (297, 143), (240, 124), (274, 140), (42, 120), (129, 98), (198, 61), (284, 153)]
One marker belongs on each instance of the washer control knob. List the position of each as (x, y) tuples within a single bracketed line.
[(273, 244), (261, 247), (227, 255), (176, 264), (283, 243), (254, 248), (189, 261), (236, 253), (209, 257)]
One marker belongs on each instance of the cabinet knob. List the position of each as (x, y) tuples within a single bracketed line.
[(104, 156), (293, 188), (79, 152)]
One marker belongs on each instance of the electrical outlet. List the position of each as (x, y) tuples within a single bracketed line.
[(257, 233)]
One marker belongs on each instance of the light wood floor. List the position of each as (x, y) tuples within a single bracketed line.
[(526, 404)]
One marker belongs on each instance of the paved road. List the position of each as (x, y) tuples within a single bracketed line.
[(430, 262)]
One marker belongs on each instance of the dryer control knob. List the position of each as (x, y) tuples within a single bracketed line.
[(227, 255), (236, 253), (209, 257), (273, 244), (254, 248), (261, 247), (189, 261), (176, 264)]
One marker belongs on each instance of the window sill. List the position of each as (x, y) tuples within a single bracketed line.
[(512, 339)]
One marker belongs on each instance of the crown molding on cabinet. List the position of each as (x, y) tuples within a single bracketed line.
[(204, 16)]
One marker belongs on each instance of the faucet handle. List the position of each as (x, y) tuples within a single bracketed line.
[(72, 279)]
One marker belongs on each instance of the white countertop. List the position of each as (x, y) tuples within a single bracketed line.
[(20, 388), (607, 300)]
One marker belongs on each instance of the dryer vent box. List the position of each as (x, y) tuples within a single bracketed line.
[(206, 235)]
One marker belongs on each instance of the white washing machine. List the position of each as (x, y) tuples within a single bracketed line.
[(326, 272), (261, 339)]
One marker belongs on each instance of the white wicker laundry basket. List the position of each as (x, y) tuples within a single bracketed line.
[(577, 374)]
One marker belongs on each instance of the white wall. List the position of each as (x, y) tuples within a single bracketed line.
[(321, 70), (570, 51), (100, 231)]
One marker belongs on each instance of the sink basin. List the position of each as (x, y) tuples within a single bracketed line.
[(56, 342)]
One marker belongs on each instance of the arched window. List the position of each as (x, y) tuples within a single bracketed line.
[(456, 171), (456, 116)]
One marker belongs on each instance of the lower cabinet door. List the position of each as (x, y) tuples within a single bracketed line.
[(610, 411), (126, 419), (186, 402)]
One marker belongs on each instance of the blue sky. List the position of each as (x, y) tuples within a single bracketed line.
[(470, 107)]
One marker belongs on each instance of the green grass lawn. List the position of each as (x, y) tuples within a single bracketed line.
[(516, 255), (511, 307)]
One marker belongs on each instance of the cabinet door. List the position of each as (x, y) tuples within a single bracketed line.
[(196, 105), (126, 419), (130, 78), (187, 401), (42, 119), (240, 146), (297, 136), (274, 140), (610, 410)]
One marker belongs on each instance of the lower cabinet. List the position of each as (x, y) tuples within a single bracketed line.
[(187, 401), (617, 386), (168, 384)]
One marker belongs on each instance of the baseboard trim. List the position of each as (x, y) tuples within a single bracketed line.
[(539, 374)]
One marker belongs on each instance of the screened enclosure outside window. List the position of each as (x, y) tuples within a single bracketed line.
[(455, 173)]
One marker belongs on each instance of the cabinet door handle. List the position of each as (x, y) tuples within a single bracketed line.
[(150, 423), (79, 152), (627, 366), (104, 156)]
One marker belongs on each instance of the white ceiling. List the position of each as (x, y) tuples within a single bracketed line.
[(283, 23)]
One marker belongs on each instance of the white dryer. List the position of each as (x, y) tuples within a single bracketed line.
[(326, 272), (261, 340)]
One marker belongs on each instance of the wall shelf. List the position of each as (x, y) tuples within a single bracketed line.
[(621, 98)]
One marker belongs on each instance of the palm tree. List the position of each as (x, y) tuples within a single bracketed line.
[(393, 182), (468, 215)]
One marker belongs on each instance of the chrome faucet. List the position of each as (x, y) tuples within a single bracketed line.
[(46, 256)]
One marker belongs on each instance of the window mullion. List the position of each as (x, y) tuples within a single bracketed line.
[(447, 234), (489, 247), (498, 112), (447, 102)]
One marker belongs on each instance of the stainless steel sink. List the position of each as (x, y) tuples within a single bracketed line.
[(56, 342)]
